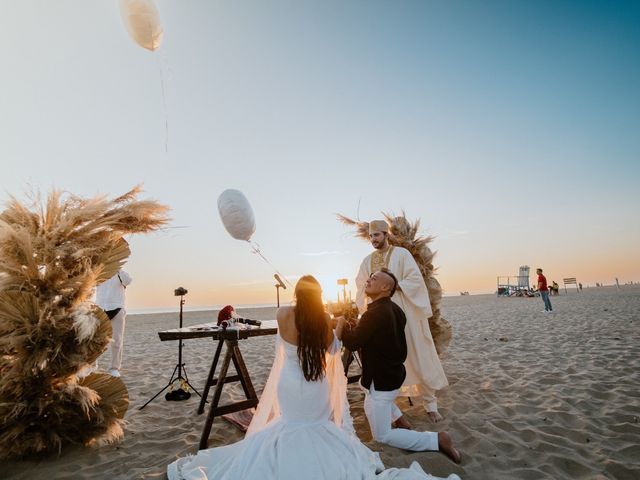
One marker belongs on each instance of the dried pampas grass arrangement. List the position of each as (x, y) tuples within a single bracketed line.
[(52, 255), (403, 233)]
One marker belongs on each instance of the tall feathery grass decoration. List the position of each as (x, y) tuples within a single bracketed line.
[(52, 255), (403, 233)]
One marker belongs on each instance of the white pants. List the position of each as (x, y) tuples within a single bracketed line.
[(381, 410), (117, 332), (429, 399), (423, 392)]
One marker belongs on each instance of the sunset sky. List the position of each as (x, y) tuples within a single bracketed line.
[(510, 128)]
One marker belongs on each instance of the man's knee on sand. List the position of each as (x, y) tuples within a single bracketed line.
[(382, 438)]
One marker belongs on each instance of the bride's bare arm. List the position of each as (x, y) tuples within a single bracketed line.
[(286, 325)]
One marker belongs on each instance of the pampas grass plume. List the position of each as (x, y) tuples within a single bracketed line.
[(52, 255)]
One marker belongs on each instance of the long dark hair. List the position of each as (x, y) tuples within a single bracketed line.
[(312, 326)]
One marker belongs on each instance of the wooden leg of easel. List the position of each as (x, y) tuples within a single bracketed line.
[(241, 368), (212, 372), (204, 440)]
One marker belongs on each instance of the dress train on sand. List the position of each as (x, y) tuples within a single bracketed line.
[(301, 429)]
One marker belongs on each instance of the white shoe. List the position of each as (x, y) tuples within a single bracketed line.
[(114, 372)]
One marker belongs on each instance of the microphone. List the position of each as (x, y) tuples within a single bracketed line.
[(248, 321), (228, 314), (280, 282)]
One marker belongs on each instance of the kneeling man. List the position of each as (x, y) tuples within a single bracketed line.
[(380, 336)]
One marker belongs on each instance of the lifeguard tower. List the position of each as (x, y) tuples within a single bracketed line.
[(514, 284)]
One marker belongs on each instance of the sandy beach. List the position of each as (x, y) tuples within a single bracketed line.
[(234, 147), (531, 396)]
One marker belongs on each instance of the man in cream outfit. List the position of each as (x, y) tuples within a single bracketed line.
[(424, 371), (110, 297)]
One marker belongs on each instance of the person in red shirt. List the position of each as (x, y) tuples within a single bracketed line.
[(544, 291)]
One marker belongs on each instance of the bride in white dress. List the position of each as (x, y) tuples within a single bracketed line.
[(302, 427)]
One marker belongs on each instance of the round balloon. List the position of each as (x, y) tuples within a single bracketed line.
[(142, 21), (236, 214)]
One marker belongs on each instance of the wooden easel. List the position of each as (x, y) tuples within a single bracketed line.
[(232, 354), (229, 338)]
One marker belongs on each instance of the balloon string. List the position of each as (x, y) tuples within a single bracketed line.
[(161, 64), (255, 248)]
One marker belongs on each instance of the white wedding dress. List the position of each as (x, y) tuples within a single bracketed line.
[(300, 430)]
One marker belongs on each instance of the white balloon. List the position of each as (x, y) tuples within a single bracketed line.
[(142, 21), (236, 214)]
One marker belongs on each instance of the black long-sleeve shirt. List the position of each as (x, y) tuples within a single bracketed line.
[(380, 337)]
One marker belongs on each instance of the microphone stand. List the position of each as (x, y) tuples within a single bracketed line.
[(278, 294), (278, 286)]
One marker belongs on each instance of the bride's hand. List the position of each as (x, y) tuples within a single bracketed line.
[(341, 321)]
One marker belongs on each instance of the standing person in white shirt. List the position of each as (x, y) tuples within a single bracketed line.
[(110, 297)]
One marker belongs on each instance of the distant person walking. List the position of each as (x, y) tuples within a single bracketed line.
[(110, 297), (544, 291)]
